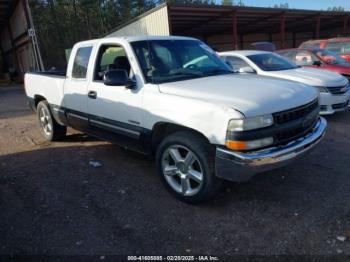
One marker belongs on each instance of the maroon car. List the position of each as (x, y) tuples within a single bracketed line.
[(338, 45), (317, 58)]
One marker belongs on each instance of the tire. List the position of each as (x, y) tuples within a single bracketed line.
[(185, 164), (50, 129)]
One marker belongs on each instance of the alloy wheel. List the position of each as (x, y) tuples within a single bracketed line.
[(182, 170)]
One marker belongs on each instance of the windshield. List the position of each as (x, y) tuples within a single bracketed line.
[(329, 57), (175, 60), (272, 62)]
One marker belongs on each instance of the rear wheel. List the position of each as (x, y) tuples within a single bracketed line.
[(185, 163), (50, 129)]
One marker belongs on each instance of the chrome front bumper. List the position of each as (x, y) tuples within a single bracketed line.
[(241, 166), (333, 103)]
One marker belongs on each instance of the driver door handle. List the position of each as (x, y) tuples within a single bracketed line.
[(92, 94)]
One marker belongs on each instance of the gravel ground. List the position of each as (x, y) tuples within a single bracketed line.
[(52, 202)]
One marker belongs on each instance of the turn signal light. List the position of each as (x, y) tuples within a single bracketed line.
[(236, 145), (247, 145)]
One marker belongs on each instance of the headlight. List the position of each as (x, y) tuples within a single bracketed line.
[(245, 124), (322, 89)]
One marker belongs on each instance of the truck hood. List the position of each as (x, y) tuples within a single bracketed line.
[(310, 76), (252, 95)]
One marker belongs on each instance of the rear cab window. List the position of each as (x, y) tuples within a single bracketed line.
[(81, 62)]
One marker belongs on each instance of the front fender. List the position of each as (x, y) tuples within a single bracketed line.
[(209, 119)]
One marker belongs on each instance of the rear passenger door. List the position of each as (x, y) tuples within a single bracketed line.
[(75, 88)]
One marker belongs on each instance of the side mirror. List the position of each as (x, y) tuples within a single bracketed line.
[(247, 70), (317, 63), (118, 77)]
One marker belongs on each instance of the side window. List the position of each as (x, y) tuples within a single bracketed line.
[(310, 45), (304, 58), (288, 54), (346, 48), (81, 62), (110, 58), (236, 63), (334, 47)]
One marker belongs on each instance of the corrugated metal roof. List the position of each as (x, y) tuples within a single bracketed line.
[(208, 20), (193, 19), (154, 23)]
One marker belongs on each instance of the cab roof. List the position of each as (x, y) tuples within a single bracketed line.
[(134, 39)]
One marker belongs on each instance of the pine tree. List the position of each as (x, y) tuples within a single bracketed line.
[(227, 2)]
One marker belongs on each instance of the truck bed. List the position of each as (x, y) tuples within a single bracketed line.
[(50, 73), (49, 84)]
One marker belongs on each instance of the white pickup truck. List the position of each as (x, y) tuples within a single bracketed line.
[(174, 98)]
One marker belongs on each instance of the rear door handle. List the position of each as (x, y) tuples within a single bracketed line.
[(92, 94)]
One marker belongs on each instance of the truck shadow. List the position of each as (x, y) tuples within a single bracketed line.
[(79, 138), (53, 197)]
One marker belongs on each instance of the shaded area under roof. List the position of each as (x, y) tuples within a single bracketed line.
[(210, 20), (6, 10)]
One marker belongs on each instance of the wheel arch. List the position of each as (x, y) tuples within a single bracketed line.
[(161, 130), (38, 99)]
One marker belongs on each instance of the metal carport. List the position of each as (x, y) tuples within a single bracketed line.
[(234, 27), (18, 45)]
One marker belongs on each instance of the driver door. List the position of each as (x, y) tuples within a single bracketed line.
[(114, 111)]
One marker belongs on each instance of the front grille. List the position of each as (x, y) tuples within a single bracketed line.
[(296, 122), (295, 133), (295, 113), (341, 105), (338, 90)]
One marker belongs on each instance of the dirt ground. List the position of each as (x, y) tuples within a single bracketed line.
[(52, 202)]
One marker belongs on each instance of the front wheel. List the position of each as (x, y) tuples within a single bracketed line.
[(185, 163), (50, 129)]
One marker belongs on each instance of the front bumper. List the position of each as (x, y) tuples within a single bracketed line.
[(330, 103), (241, 166)]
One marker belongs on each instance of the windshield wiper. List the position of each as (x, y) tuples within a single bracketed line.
[(185, 72), (219, 71)]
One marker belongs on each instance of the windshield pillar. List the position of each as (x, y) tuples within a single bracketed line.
[(317, 29), (234, 30), (282, 29)]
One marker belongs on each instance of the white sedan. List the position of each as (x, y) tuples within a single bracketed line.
[(334, 88)]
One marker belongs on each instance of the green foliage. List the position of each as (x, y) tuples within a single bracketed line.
[(61, 23), (336, 9), (240, 3), (199, 2), (226, 2), (285, 5)]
